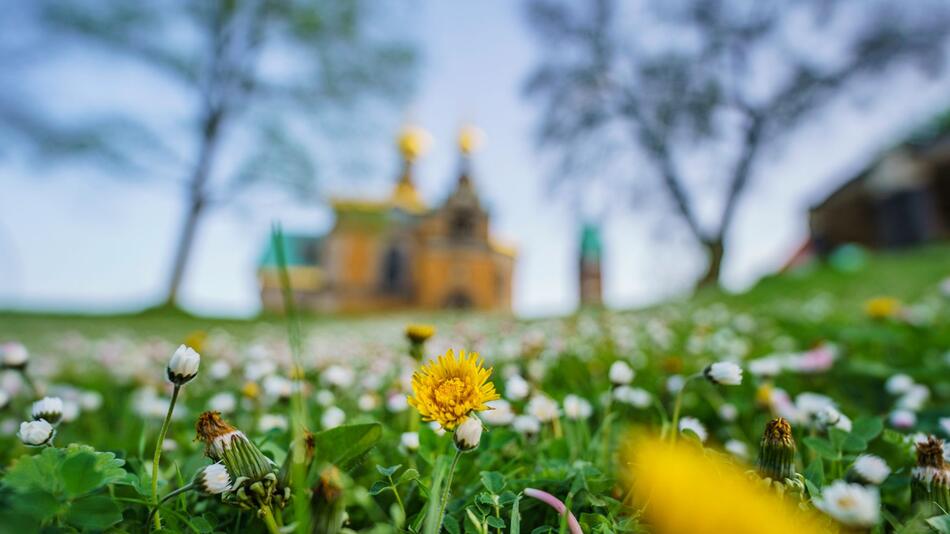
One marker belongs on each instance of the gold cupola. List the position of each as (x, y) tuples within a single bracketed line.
[(412, 144)]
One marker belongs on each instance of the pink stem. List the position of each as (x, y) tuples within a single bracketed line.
[(555, 503)]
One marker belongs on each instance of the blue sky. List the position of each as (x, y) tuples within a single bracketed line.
[(71, 239)]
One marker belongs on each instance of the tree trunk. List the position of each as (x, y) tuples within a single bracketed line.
[(197, 202), (715, 250)]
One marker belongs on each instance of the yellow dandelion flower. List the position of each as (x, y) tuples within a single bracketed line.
[(681, 488), (449, 389), (419, 333), (882, 307)]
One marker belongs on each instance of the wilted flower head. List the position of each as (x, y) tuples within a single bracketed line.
[(723, 373), (930, 479), (183, 366), (449, 389), (49, 409), (225, 443), (213, 479), (853, 505), (36, 433)]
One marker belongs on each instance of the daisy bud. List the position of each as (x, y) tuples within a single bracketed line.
[(777, 451), (48, 408), (468, 434), (213, 480), (930, 480), (620, 373), (577, 408), (225, 443), (13, 355), (723, 374), (869, 470), (695, 426), (410, 440), (36, 433), (183, 366)]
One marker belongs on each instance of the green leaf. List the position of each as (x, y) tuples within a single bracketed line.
[(493, 481), (854, 443), (407, 475), (815, 473), (37, 473), (345, 446), (940, 523), (837, 437), (867, 428), (388, 471), (202, 525), (451, 525), (516, 516), (440, 470), (495, 522), (378, 487), (80, 475), (97, 512), (38, 505), (821, 447)]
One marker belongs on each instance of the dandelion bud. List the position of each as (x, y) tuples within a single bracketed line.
[(225, 443), (410, 440), (777, 451), (213, 480), (48, 408), (13, 355), (468, 434), (723, 374), (183, 366), (36, 433), (418, 334), (930, 480)]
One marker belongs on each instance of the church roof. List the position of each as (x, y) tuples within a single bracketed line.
[(591, 246)]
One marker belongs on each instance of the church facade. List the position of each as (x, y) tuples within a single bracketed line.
[(398, 253)]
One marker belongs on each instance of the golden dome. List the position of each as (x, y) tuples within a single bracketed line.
[(413, 142), (470, 138)]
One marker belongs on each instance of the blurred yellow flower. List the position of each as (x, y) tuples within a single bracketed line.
[(251, 390), (419, 333), (196, 340), (882, 307), (681, 488), (449, 389)]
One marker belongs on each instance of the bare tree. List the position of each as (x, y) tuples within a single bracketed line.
[(261, 76), (732, 78)]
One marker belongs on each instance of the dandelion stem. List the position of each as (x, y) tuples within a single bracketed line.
[(158, 453), (268, 516), (448, 487)]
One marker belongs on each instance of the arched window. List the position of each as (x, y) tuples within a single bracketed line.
[(394, 271), (462, 224)]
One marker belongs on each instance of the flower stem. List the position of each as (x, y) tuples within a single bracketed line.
[(29, 382), (268, 516), (175, 493), (448, 487), (158, 454), (676, 408)]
